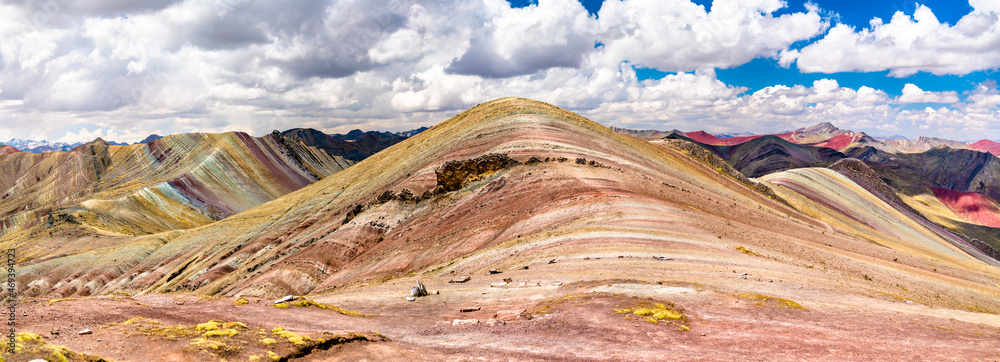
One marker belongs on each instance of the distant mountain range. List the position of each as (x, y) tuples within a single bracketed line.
[(355, 145), (824, 135), (43, 146), (961, 177)]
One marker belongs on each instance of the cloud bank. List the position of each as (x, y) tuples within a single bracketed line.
[(127, 67)]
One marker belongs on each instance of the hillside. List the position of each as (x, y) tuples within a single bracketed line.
[(578, 241), (177, 182), (992, 147), (767, 154)]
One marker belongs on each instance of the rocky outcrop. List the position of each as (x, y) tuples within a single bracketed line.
[(452, 175)]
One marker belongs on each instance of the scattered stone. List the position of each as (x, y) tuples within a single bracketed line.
[(663, 258), (460, 280), (493, 322), (553, 261), (180, 303), (524, 267), (702, 334), (909, 301), (508, 280), (437, 292), (493, 271), (558, 284), (464, 322), (533, 160), (287, 298), (85, 332), (509, 314), (385, 197), (406, 195), (500, 284), (741, 275), (410, 299), (469, 309)]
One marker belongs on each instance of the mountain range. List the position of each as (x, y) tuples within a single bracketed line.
[(372, 141), (825, 135), (513, 230)]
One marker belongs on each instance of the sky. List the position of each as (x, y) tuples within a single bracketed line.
[(74, 70)]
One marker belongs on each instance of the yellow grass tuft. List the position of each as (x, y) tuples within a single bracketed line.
[(58, 300), (761, 299), (291, 336), (268, 342), (744, 250), (306, 303), (653, 312)]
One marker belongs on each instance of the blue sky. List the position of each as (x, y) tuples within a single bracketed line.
[(761, 72), (122, 69)]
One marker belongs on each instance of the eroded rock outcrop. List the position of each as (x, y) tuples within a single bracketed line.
[(452, 175)]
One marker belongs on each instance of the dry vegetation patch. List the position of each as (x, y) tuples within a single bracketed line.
[(306, 303), (220, 340), (761, 300), (744, 250), (653, 311), (29, 346)]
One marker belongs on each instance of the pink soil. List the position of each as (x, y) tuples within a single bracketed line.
[(5, 150), (987, 146), (973, 207), (838, 142), (704, 137)]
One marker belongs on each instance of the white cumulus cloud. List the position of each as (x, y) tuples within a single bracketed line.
[(908, 44)]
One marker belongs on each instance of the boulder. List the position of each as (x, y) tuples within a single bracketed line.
[(464, 322), (419, 291), (85, 332)]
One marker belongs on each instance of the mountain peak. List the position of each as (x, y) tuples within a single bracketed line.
[(824, 127), (150, 138)]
